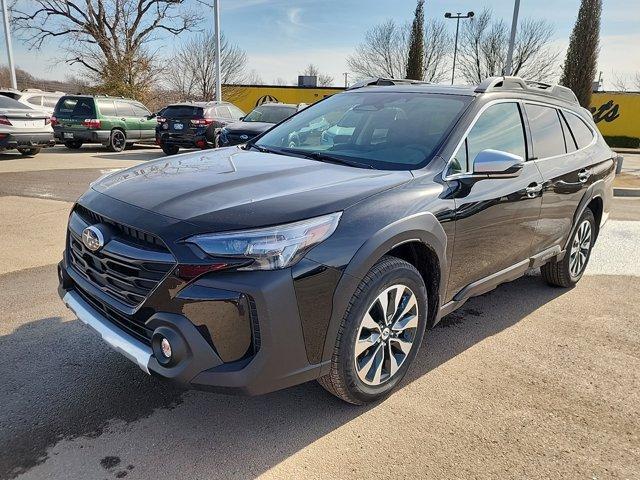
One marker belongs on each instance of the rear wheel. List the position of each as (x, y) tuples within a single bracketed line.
[(380, 333), (29, 152), (117, 141), (570, 269), (170, 149), (73, 144)]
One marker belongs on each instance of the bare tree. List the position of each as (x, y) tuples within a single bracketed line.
[(324, 80), (192, 71), (281, 82), (626, 83), (383, 53), (483, 49), (107, 38)]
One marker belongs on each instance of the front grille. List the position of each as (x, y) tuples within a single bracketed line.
[(129, 277), (132, 324), (130, 234)]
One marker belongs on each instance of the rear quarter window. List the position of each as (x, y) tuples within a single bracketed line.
[(582, 134), (546, 131)]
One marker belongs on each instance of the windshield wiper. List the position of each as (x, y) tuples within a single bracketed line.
[(262, 149), (326, 157)]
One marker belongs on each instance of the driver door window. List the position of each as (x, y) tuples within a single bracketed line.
[(499, 127)]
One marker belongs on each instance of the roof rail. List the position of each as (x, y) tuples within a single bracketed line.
[(383, 82), (516, 83)]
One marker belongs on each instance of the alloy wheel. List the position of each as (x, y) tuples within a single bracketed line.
[(580, 247), (118, 140), (386, 335)]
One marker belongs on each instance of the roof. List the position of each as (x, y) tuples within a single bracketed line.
[(212, 103)]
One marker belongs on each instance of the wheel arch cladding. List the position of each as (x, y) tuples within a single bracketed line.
[(402, 237)]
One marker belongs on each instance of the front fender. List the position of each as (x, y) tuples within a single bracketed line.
[(422, 227)]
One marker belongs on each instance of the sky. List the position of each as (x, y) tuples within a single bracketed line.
[(281, 37)]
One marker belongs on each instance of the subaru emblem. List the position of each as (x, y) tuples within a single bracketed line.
[(244, 137), (92, 238)]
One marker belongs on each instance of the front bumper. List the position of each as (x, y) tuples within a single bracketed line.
[(236, 331), (26, 140), (85, 136)]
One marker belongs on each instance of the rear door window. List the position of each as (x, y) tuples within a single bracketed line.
[(546, 131), (569, 141), (75, 107), (582, 134), (106, 107), (124, 109)]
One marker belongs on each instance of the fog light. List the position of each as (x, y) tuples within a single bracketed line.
[(165, 346)]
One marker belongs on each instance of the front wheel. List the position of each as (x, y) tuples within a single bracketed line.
[(570, 269), (380, 333), (29, 152), (117, 141)]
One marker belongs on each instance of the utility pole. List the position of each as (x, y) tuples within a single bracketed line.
[(346, 82), (512, 38), (216, 21), (7, 37), (458, 16)]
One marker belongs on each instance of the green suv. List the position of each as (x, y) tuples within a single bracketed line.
[(114, 122)]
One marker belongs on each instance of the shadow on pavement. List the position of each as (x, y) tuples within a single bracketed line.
[(59, 382)]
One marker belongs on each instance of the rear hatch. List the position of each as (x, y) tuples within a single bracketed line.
[(71, 112), (179, 120)]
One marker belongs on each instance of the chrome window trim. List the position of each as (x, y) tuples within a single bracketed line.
[(468, 174)]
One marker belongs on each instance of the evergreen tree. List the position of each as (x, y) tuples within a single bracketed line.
[(581, 63), (415, 57)]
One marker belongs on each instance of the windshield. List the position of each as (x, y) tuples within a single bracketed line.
[(384, 130), (269, 114)]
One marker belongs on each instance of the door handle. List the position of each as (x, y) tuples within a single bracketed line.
[(583, 175), (123, 119), (533, 190)]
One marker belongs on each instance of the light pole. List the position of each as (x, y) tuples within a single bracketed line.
[(346, 82), (457, 16), (216, 21), (512, 38), (7, 37)]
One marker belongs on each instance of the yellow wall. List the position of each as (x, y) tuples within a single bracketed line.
[(617, 114), (247, 97)]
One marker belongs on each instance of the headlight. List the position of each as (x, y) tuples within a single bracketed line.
[(272, 247)]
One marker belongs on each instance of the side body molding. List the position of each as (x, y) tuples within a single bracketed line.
[(422, 227)]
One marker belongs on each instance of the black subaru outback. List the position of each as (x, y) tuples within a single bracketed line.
[(257, 268)]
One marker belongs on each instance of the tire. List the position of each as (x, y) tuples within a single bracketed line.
[(170, 149), (568, 271), (73, 144), (117, 141), (359, 386), (29, 152)]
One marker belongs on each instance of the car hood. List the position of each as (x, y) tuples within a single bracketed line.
[(230, 188), (248, 127)]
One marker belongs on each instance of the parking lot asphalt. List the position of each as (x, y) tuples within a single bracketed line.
[(526, 381)]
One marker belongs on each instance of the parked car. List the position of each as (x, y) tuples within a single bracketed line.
[(115, 122), (193, 124), (257, 121), (35, 98), (23, 128), (259, 267)]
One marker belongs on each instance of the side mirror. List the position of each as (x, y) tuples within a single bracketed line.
[(152, 115), (495, 163), (241, 119)]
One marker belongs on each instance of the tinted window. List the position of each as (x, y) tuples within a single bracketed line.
[(50, 101), (581, 132), (106, 108), (124, 109), (182, 111), (75, 107), (569, 141), (6, 102), (546, 131), (269, 114), (499, 127), (140, 110), (35, 101), (395, 130)]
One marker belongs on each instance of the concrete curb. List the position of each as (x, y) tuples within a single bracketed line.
[(626, 192)]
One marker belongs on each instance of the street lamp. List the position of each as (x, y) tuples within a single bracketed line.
[(457, 16)]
